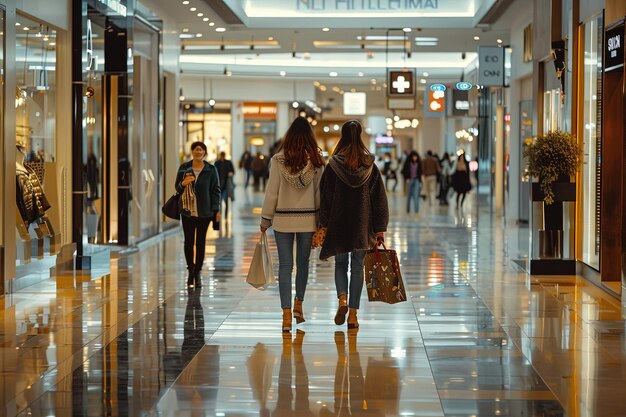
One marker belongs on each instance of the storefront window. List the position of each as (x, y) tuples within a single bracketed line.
[(2, 159), (37, 193), (553, 100), (209, 124), (591, 135)]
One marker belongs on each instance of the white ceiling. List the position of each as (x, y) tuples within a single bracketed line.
[(341, 49)]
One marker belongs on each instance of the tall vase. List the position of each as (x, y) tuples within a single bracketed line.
[(551, 236)]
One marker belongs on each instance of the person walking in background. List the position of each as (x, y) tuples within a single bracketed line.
[(197, 205), (226, 171), (412, 173), (461, 180), (259, 168), (446, 173), (430, 171), (291, 205), (389, 171), (245, 163), (354, 209)]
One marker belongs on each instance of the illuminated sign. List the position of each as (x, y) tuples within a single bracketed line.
[(401, 83), (463, 85), (614, 48), (259, 110), (367, 5), (354, 104), (257, 141), (381, 139), (434, 103), (437, 87)]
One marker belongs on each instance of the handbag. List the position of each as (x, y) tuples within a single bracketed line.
[(261, 272), (382, 275), (170, 208), (317, 240)]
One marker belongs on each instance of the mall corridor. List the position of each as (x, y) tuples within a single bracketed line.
[(477, 337)]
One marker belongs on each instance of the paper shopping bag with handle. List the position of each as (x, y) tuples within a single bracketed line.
[(382, 275), (261, 273)]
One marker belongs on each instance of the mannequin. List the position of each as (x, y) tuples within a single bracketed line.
[(29, 196)]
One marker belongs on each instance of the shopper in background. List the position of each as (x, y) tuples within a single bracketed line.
[(461, 180), (291, 206), (226, 171), (245, 163), (355, 211), (412, 173), (430, 171), (197, 212), (445, 179), (389, 171), (259, 169)]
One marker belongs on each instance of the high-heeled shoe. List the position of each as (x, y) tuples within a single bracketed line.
[(191, 278), (197, 279), (353, 322), (342, 309), (287, 320), (297, 311)]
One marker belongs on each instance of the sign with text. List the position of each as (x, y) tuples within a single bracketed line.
[(461, 104), (401, 83), (614, 48), (331, 8), (354, 104), (491, 66)]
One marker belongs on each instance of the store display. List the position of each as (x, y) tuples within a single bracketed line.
[(29, 195)]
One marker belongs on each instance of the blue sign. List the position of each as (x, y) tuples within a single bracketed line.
[(463, 85), (437, 87)]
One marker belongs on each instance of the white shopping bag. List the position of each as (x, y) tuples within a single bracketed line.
[(261, 273)]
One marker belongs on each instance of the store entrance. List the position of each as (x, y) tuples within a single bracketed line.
[(613, 218)]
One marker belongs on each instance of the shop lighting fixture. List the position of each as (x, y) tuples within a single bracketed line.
[(283, 73), (185, 30), (46, 39), (325, 29), (326, 129), (336, 128), (407, 30), (198, 35), (373, 80), (193, 9), (422, 81), (426, 41), (476, 38), (18, 24), (295, 104), (53, 43), (211, 102), (200, 14), (220, 29), (380, 38), (388, 120), (499, 40), (206, 19), (212, 24), (185, 36), (333, 73), (25, 28), (270, 38), (186, 2), (323, 88)]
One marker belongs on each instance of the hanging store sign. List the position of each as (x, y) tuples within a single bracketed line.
[(401, 83), (404, 8), (491, 66), (437, 87), (460, 98), (614, 48), (463, 86)]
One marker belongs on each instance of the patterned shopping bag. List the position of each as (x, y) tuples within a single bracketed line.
[(382, 276)]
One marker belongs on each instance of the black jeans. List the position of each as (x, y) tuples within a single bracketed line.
[(195, 229)]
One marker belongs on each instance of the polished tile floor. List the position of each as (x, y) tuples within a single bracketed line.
[(477, 337)]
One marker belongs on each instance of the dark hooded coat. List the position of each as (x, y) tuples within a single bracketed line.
[(353, 206)]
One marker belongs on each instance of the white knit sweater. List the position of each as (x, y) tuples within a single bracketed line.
[(291, 201)]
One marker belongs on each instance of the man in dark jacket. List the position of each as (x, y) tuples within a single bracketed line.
[(226, 170)]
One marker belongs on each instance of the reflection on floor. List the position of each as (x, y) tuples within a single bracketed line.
[(477, 337)]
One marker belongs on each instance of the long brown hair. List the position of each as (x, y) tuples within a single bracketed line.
[(351, 146), (300, 147)]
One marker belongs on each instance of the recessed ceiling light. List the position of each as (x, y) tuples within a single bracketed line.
[(407, 30), (193, 9), (422, 81), (212, 24), (425, 74), (283, 73), (200, 14), (25, 28), (373, 80), (186, 2), (185, 30), (220, 29), (205, 19), (325, 29), (198, 35), (333, 73), (18, 24), (476, 38), (499, 40), (270, 38), (360, 74)]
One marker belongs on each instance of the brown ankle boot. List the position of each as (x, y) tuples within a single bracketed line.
[(297, 311), (286, 319), (342, 309), (353, 323)]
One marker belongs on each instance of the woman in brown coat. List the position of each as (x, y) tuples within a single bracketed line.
[(354, 208)]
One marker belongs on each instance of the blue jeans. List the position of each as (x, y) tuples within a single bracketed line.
[(356, 276), (413, 193), (284, 243)]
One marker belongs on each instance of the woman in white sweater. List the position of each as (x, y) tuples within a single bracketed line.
[(291, 207)]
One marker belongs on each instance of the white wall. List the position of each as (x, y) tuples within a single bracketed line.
[(247, 89)]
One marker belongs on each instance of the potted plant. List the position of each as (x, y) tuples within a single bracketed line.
[(553, 159)]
